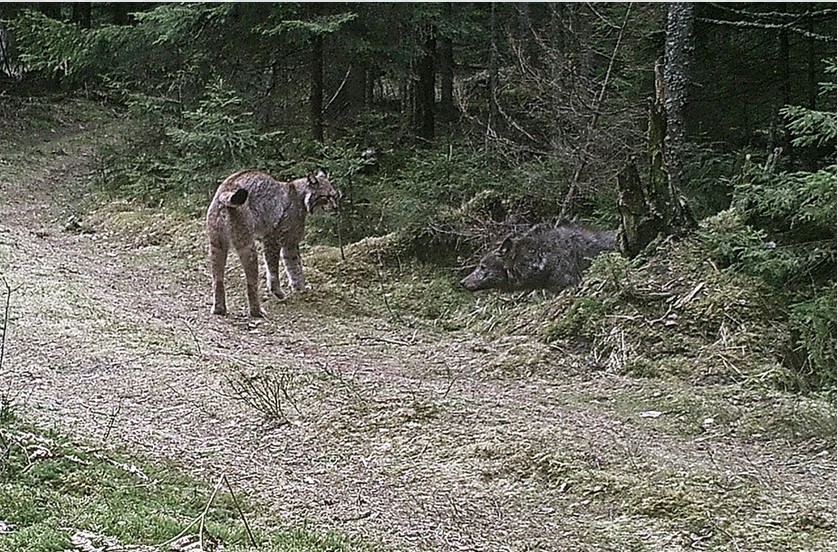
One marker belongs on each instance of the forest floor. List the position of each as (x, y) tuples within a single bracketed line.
[(402, 435)]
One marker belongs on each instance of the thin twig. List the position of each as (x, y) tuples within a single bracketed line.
[(112, 421), (203, 515), (194, 339), (6, 311), (393, 314), (329, 103), (383, 340), (241, 514), (583, 151)]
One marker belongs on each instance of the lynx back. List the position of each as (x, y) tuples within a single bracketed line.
[(250, 206)]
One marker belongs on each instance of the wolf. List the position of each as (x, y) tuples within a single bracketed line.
[(542, 258), (251, 205)]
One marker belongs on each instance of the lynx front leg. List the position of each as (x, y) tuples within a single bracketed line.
[(250, 264), (218, 261), (272, 255), (293, 267)]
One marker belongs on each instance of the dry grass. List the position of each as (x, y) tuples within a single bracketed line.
[(407, 428)]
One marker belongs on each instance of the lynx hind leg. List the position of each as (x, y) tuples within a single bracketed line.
[(218, 262), (250, 263), (294, 267), (272, 256)]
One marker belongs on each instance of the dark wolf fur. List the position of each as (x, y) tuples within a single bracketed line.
[(249, 206), (543, 258)]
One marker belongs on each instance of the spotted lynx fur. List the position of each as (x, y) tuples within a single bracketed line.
[(251, 205)]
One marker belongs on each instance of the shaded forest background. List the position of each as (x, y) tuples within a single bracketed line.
[(454, 123)]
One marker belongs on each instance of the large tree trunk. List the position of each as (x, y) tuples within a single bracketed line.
[(446, 72), (679, 47), (492, 119), (648, 210), (81, 14), (50, 9), (426, 84), (315, 97)]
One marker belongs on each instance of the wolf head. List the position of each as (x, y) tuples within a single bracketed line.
[(319, 195), (493, 270)]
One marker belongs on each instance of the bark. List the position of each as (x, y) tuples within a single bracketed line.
[(446, 76), (426, 85), (50, 9), (657, 207), (354, 95), (369, 88), (120, 12), (315, 97), (679, 48), (446, 73), (656, 135), (81, 14), (493, 74), (640, 223), (783, 68)]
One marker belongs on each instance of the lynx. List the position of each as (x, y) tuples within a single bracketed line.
[(251, 205)]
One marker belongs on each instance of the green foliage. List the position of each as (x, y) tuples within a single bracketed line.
[(782, 229), (809, 126), (50, 47), (814, 321), (320, 26), (217, 133), (51, 489), (189, 153), (732, 243)]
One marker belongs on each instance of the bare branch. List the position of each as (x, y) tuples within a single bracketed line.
[(767, 26)]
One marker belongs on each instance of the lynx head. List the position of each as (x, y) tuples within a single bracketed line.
[(319, 194)]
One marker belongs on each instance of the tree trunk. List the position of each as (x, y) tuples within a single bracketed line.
[(369, 88), (640, 222), (446, 77), (426, 85), (679, 48), (315, 97), (493, 75), (120, 12), (81, 14), (784, 75), (50, 9), (647, 211)]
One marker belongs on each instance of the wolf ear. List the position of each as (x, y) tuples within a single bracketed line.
[(321, 173), (505, 246), (312, 180)]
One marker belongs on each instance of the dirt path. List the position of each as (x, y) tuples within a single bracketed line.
[(414, 439)]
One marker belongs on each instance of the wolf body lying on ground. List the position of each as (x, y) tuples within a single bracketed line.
[(542, 258), (251, 205)]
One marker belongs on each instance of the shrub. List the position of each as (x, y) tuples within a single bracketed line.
[(813, 324)]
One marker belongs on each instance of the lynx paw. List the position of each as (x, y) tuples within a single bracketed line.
[(260, 313), (278, 293)]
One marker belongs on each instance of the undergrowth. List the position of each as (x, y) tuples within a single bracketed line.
[(59, 495)]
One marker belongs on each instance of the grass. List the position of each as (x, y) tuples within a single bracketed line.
[(541, 414), (54, 491)]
